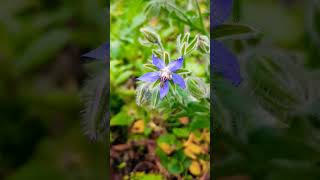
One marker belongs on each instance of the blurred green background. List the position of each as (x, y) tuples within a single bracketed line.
[(41, 73)]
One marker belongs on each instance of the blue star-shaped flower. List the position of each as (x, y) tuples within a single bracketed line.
[(223, 60), (165, 74)]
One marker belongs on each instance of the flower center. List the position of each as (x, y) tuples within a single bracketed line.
[(165, 75)]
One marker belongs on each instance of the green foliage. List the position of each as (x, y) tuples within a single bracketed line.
[(182, 132), (175, 166), (121, 119), (233, 31)]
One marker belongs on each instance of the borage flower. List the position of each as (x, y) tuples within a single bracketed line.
[(165, 74), (224, 61)]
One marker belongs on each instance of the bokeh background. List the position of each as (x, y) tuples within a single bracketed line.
[(268, 127), (41, 74)]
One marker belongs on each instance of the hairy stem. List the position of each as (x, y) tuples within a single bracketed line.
[(160, 45), (200, 16), (186, 19)]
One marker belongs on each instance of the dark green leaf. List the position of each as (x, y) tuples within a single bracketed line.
[(175, 167), (233, 31)]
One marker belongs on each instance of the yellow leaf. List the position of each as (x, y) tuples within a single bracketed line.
[(192, 149), (189, 153), (166, 148), (196, 149), (154, 127), (206, 136), (195, 168), (138, 127), (204, 165), (194, 138)]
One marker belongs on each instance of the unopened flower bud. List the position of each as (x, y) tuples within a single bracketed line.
[(204, 44), (150, 35), (142, 94), (197, 88), (166, 57)]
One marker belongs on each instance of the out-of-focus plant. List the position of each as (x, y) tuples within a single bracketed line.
[(40, 76), (224, 61), (273, 107)]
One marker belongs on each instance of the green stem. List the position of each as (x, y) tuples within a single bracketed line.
[(181, 12), (200, 16), (187, 20), (236, 11), (161, 46)]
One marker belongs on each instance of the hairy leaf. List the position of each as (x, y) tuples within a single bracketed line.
[(95, 114)]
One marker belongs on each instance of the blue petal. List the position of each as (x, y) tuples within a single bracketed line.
[(164, 89), (221, 11), (158, 62), (176, 64), (225, 63), (177, 79), (100, 53), (150, 77)]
